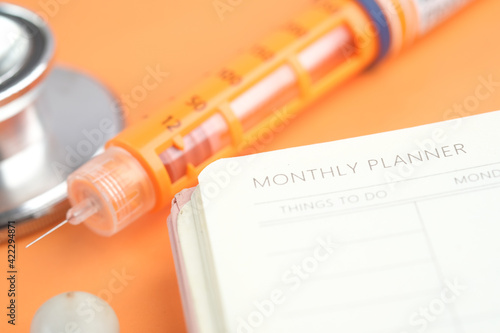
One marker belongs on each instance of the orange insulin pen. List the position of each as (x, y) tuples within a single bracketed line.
[(148, 163)]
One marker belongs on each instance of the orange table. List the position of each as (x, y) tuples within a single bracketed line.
[(117, 41)]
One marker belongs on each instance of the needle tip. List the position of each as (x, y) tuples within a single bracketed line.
[(48, 232)]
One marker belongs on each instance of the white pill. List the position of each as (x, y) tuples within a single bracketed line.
[(75, 312)]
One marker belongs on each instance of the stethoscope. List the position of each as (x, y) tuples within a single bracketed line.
[(48, 121)]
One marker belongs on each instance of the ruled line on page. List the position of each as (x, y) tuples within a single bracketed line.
[(457, 325), (377, 269), (350, 242), (310, 217), (320, 310)]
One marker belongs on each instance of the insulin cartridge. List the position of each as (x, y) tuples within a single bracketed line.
[(149, 162)]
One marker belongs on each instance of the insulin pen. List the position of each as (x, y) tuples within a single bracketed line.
[(149, 162)]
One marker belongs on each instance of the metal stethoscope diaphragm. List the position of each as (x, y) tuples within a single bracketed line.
[(52, 120)]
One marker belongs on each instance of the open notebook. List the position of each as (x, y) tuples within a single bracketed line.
[(396, 232)]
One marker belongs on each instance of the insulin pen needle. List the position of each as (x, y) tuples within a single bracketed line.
[(48, 232), (76, 215)]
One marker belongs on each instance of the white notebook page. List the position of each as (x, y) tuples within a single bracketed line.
[(359, 236)]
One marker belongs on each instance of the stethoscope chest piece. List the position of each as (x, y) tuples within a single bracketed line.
[(52, 120)]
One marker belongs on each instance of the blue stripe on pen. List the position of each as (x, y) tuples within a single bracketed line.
[(380, 22)]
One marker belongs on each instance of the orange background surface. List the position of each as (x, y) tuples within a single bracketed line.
[(116, 41)]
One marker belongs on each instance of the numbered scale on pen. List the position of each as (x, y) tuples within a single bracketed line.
[(249, 103)]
